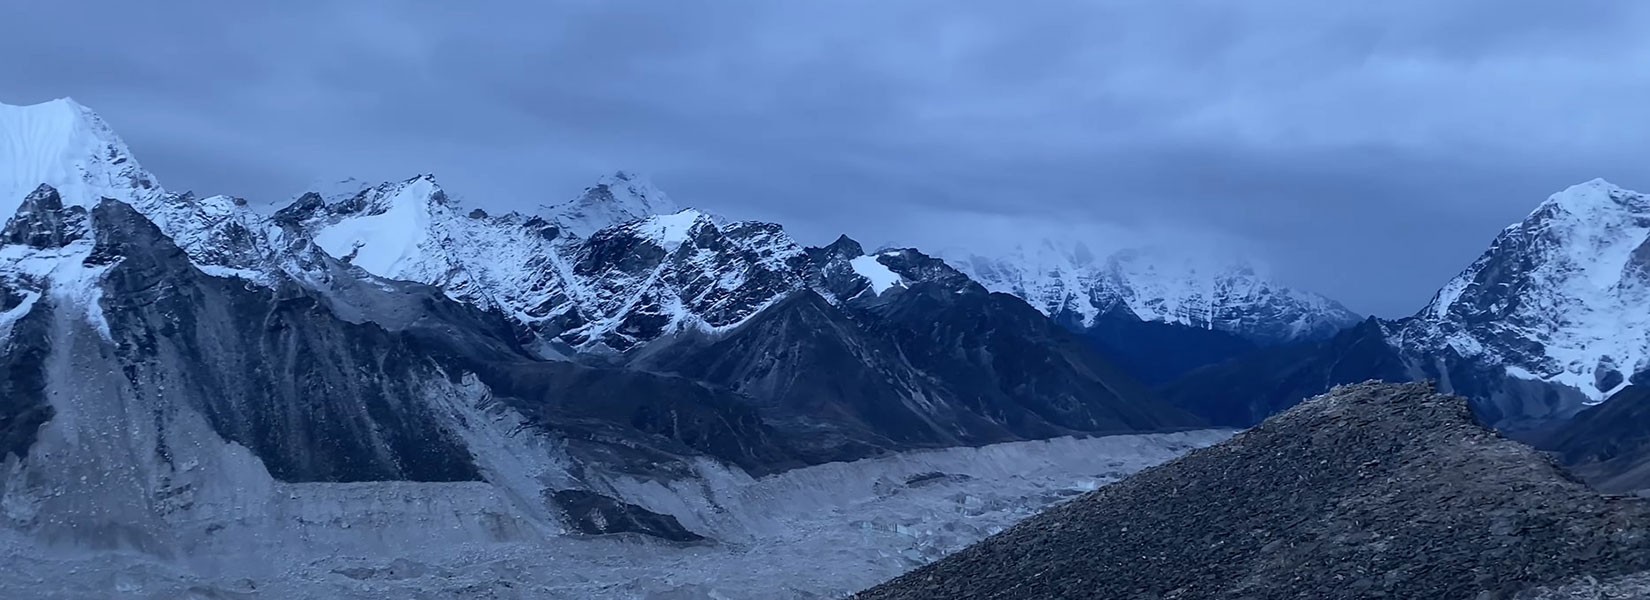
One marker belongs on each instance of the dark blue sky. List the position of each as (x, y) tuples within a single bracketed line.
[(1365, 150)]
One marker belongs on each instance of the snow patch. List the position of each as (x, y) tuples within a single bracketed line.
[(10, 317), (386, 243), (670, 231), (68, 281), (880, 275)]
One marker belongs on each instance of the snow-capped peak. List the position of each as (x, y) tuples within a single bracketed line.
[(67, 146), (383, 229), (616, 199), (1593, 193), (1066, 280), (1559, 297)]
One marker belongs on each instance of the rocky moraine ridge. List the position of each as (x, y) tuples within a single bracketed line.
[(1370, 491)]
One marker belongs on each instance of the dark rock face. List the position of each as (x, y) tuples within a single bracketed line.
[(10, 298), (1156, 353), (935, 362), (594, 514), (1371, 491), (1609, 444), (315, 397), (925, 366), (23, 404), (1247, 390), (43, 222), (1008, 363), (916, 266), (637, 422), (834, 273), (837, 391)]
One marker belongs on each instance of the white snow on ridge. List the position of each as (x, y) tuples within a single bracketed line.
[(69, 282), (671, 230), (388, 242), (67, 146), (615, 200), (1581, 298), (1155, 284), (880, 276)]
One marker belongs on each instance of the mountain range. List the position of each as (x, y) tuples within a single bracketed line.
[(1158, 312), (193, 354), (183, 375), (1548, 321)]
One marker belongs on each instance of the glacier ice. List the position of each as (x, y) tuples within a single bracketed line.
[(816, 532)]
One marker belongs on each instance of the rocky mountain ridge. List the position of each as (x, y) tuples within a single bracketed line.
[(197, 355), (1372, 490)]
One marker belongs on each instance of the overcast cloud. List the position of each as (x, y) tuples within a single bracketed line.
[(1366, 150)]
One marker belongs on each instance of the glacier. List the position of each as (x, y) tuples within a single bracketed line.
[(816, 532)]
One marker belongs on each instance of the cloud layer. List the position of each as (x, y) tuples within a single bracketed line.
[(1366, 150)]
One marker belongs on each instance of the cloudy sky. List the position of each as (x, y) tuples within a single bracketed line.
[(1365, 150)]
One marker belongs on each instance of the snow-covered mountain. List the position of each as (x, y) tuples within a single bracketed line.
[(615, 200), (1158, 313), (604, 273), (1549, 320), (68, 147), (1070, 283), (1559, 298), (379, 366)]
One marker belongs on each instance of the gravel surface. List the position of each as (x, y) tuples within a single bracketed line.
[(1370, 491)]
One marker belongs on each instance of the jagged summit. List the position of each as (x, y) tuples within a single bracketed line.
[(1593, 193), (616, 199), (67, 146), (43, 222), (845, 246), (1558, 297)]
